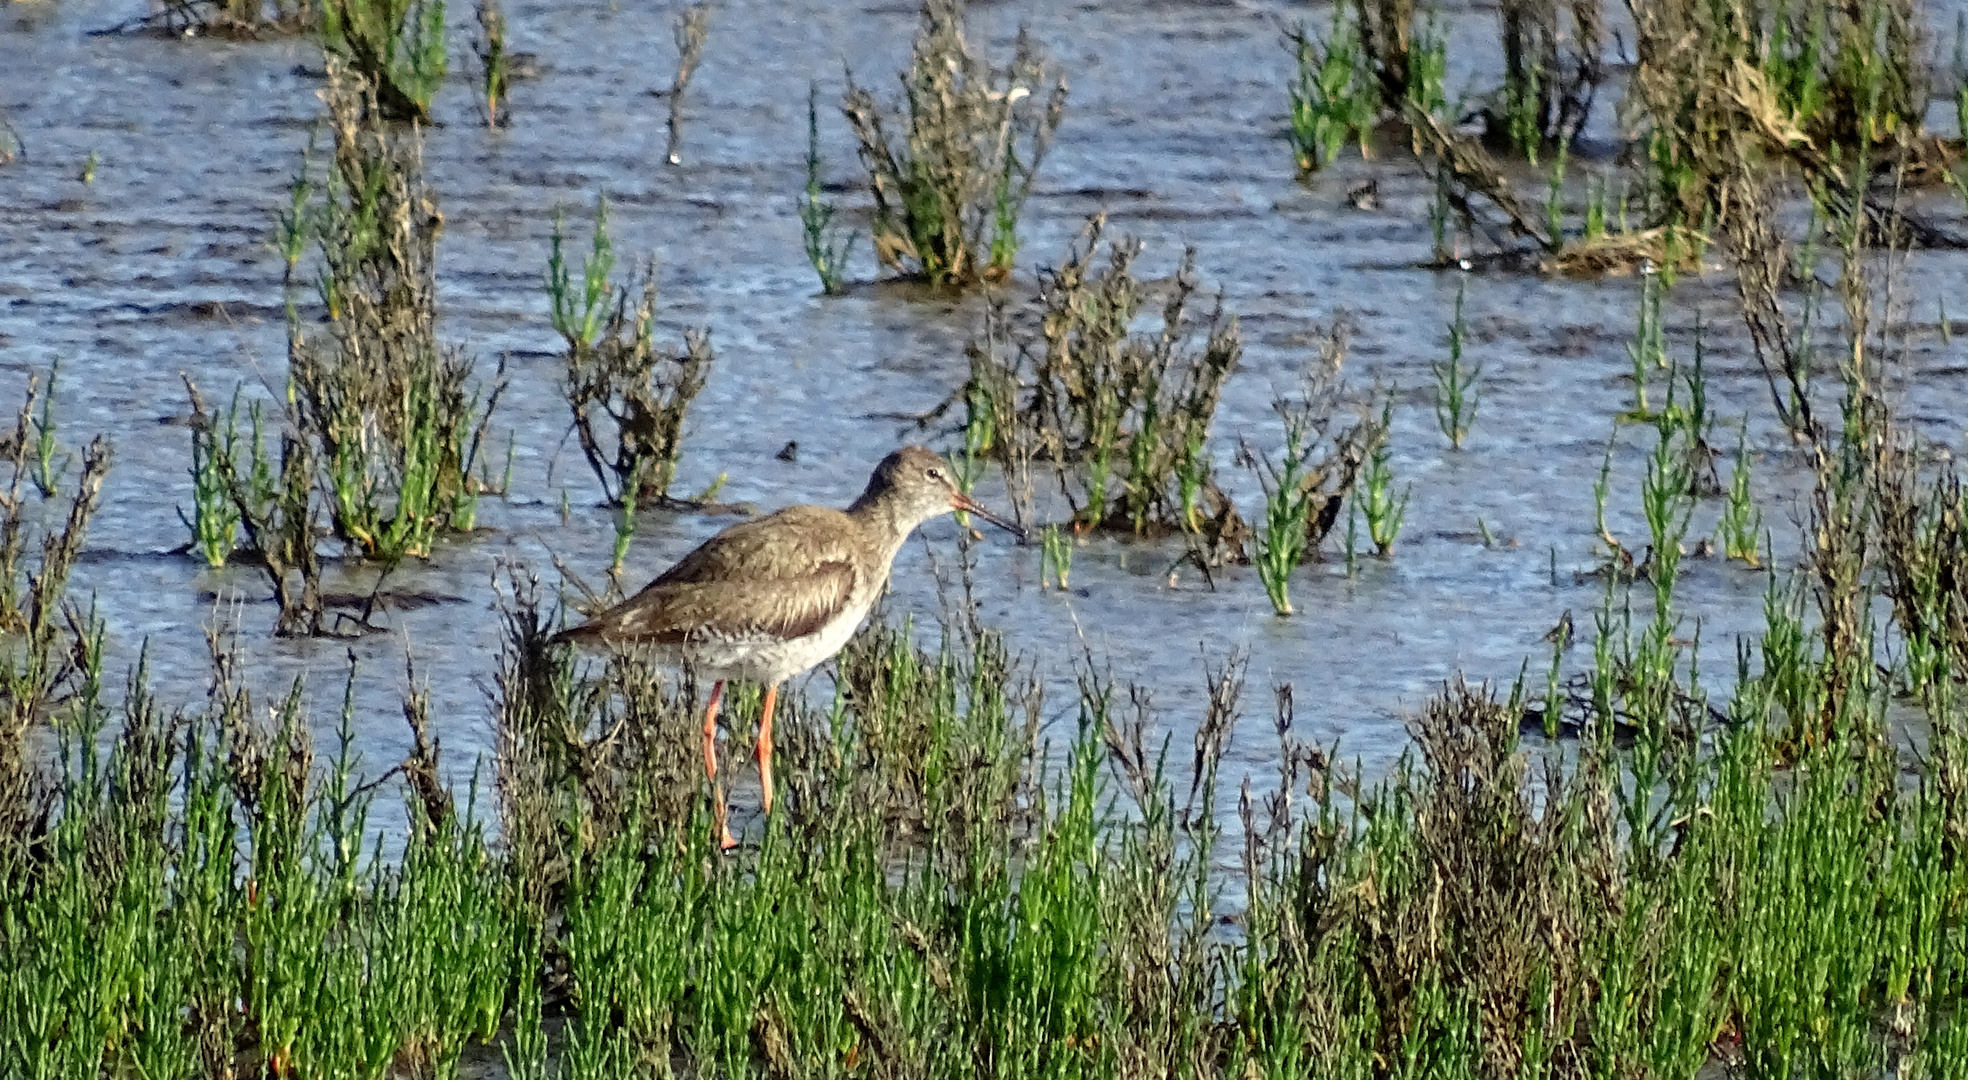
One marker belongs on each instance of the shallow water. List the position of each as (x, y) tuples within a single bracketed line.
[(162, 265)]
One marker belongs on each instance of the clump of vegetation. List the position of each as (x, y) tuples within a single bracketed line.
[(1727, 98), (493, 63), (276, 509), (1507, 230), (1326, 440), (1888, 514), (1683, 411), (49, 462), (1406, 53), (1648, 350), (825, 251), (1334, 96), (1666, 499), (225, 18), (1466, 179), (1552, 66), (1457, 394), (1671, 398), (48, 640), (397, 419), (394, 48), (1923, 532), (1741, 525), (290, 233), (1832, 89), (381, 420), (1380, 59), (629, 398), (1123, 417), (215, 442), (252, 923), (691, 29), (1055, 557), (951, 171), (1375, 497), (33, 458)]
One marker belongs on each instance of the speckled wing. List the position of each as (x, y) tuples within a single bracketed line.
[(778, 577)]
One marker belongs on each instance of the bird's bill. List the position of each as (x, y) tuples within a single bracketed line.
[(971, 506)]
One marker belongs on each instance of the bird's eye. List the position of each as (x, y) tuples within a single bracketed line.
[(934, 474)]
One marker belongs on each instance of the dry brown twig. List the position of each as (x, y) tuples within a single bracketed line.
[(691, 29), (1472, 172)]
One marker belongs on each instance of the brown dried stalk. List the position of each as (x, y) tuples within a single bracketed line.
[(691, 29)]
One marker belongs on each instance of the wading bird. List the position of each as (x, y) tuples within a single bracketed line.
[(770, 598)]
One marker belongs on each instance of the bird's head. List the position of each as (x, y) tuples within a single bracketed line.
[(916, 484)]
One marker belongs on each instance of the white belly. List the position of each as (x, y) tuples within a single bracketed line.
[(769, 661)]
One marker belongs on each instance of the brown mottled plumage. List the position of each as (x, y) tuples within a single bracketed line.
[(769, 598), (780, 577)]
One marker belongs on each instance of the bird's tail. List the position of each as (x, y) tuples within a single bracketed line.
[(586, 633)]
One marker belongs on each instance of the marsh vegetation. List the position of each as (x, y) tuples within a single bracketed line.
[(1714, 819), (952, 167)]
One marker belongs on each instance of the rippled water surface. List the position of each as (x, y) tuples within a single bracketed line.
[(162, 266)]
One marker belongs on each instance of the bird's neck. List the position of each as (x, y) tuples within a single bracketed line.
[(884, 524)]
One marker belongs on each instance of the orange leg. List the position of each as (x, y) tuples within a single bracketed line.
[(764, 752), (711, 765)]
